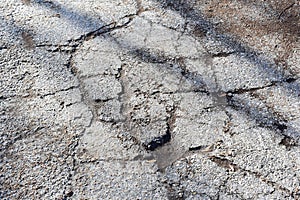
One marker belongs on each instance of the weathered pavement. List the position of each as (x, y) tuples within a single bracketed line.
[(149, 99)]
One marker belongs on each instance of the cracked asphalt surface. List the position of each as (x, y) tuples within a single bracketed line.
[(149, 99)]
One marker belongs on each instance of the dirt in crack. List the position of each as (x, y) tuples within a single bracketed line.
[(224, 163), (26, 2), (28, 40)]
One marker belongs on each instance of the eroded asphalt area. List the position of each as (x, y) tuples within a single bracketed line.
[(149, 99)]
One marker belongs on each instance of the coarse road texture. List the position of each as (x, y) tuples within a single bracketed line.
[(149, 99)]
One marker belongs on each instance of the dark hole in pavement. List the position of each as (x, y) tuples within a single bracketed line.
[(158, 141)]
